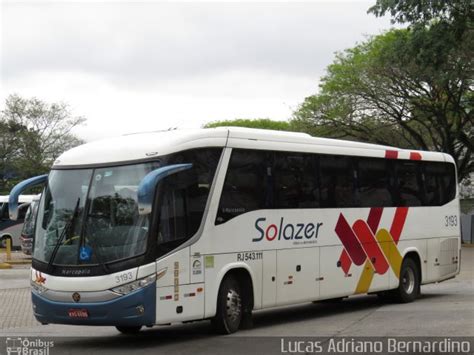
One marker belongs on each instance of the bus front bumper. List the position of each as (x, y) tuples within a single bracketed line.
[(134, 309)]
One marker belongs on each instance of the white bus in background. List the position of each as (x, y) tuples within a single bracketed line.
[(10, 229), (175, 226)]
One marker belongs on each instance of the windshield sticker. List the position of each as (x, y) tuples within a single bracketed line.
[(85, 253)]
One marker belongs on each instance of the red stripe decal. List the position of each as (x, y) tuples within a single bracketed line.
[(398, 223), (391, 154), (345, 261), (415, 156), (374, 218), (349, 240), (371, 248)]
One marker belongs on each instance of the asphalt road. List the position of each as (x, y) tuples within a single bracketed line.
[(443, 310)]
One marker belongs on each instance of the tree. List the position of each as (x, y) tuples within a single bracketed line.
[(386, 90), (33, 135), (262, 123), (457, 14)]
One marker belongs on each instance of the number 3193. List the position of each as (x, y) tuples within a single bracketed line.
[(451, 221)]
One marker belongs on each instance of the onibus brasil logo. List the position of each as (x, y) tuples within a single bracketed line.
[(376, 248), (26, 346)]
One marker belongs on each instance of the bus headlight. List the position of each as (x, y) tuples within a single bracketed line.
[(135, 285), (38, 287)]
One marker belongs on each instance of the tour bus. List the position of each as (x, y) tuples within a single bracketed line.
[(28, 230), (11, 229), (183, 225)]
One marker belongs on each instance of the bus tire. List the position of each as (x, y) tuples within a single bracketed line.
[(409, 286), (129, 329), (229, 307)]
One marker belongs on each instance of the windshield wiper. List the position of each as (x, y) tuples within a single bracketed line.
[(66, 229)]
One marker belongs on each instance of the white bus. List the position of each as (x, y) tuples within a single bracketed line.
[(11, 229), (168, 227)]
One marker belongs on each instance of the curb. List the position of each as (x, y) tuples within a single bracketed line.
[(19, 262), (5, 266), (467, 245)]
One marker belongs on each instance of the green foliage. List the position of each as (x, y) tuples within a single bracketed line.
[(456, 14), (262, 123), (32, 135)]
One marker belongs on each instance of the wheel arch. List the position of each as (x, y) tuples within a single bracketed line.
[(243, 273), (414, 254)]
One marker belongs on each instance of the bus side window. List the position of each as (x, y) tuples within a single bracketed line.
[(182, 198), (374, 183), (432, 182), (295, 180), (247, 185), (337, 181), (409, 181), (448, 183)]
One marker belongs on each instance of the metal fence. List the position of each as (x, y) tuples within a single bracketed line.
[(467, 228)]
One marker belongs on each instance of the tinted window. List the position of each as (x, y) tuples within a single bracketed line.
[(337, 181), (449, 182), (247, 184), (183, 197), (4, 211), (295, 181), (374, 183), (408, 177), (22, 209), (266, 180), (439, 183)]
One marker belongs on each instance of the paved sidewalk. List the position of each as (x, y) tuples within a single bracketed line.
[(15, 309), (16, 255), (444, 309), (15, 298)]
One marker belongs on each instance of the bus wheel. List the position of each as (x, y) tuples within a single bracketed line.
[(129, 330), (229, 307), (409, 286), (3, 241)]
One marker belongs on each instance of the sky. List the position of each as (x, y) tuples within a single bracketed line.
[(131, 66)]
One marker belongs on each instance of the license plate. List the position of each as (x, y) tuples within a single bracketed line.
[(78, 313)]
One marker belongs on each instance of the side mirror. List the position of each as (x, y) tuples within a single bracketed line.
[(146, 188), (18, 189)]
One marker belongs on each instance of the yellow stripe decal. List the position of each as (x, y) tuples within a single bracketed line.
[(390, 250), (366, 278)]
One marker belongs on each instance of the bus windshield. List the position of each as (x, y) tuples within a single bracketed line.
[(90, 216), (93, 215)]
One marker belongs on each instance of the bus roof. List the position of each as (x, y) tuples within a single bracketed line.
[(145, 146)]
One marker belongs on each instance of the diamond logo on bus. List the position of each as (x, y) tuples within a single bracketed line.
[(365, 244)]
